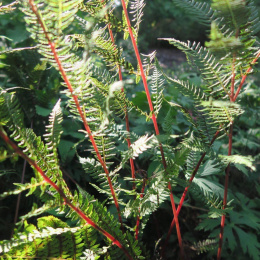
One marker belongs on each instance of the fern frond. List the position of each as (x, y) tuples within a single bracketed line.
[(22, 187), (233, 33), (187, 89), (11, 116), (168, 121), (205, 246), (37, 211), (97, 9), (199, 11), (148, 64), (54, 131), (8, 8), (221, 112), (136, 9), (10, 50), (155, 194), (192, 160), (204, 125), (235, 12), (139, 146), (109, 51), (97, 210), (247, 161), (157, 89), (194, 143), (53, 238), (212, 72)]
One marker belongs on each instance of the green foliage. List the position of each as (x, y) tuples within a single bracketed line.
[(51, 238), (66, 109)]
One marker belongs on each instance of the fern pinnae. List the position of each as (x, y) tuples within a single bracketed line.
[(214, 74), (157, 88), (8, 8), (199, 11), (54, 131), (67, 201), (136, 7), (49, 237), (58, 63), (22, 187), (205, 245)]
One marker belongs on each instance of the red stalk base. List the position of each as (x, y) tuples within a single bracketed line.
[(185, 193), (63, 196), (222, 225), (154, 121)]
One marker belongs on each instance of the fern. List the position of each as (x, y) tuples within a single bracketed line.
[(201, 12), (112, 212), (136, 7), (53, 238), (213, 73), (8, 8), (157, 89), (204, 246)]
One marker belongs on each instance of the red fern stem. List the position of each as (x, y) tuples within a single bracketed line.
[(138, 217), (63, 73), (222, 225), (61, 193), (245, 76), (230, 135), (185, 193), (154, 120), (126, 113)]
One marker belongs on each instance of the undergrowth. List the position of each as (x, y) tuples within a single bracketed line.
[(127, 159)]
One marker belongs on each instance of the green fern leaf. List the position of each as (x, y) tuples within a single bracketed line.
[(248, 161), (199, 11), (212, 72), (157, 90), (136, 9)]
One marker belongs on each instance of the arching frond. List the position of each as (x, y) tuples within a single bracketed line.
[(199, 11), (212, 72), (97, 210)]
